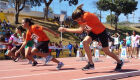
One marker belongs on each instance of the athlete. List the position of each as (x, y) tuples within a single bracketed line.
[(37, 33), (98, 31)]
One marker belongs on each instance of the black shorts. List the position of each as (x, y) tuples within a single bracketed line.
[(18, 47), (15, 48), (43, 46), (102, 37)]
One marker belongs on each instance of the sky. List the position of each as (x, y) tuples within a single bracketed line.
[(89, 5)]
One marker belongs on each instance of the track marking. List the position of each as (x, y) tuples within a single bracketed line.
[(18, 76), (112, 76)]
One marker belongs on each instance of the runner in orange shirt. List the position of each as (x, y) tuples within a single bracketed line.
[(97, 31), (36, 33)]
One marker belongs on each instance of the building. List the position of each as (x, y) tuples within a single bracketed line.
[(3, 5)]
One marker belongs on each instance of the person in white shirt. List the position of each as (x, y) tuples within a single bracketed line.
[(117, 41), (135, 43)]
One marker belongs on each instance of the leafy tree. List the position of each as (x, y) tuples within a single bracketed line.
[(118, 6), (20, 4), (5, 0), (110, 18), (71, 2)]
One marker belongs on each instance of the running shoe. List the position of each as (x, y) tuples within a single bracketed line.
[(16, 59), (88, 66), (60, 65), (119, 66), (34, 63)]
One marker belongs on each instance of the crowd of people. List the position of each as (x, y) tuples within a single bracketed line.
[(130, 42), (5, 26)]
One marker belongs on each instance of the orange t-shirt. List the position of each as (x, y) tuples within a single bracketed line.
[(36, 32), (92, 21)]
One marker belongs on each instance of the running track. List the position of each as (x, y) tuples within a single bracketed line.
[(10, 70)]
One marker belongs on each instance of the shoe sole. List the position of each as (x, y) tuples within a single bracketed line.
[(119, 69), (35, 64), (60, 68), (87, 69)]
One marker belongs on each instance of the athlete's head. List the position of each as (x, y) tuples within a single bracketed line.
[(78, 13), (26, 23), (127, 33), (134, 32), (20, 29)]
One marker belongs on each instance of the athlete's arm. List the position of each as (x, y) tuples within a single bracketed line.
[(8, 43), (22, 46), (78, 30)]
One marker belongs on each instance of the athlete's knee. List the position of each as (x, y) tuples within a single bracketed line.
[(85, 42)]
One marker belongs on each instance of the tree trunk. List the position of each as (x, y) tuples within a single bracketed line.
[(16, 18), (46, 13), (100, 16), (111, 18), (116, 21)]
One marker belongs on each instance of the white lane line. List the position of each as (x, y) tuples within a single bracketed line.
[(37, 74), (8, 70), (35, 67), (112, 76)]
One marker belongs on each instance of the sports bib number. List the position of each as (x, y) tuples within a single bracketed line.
[(35, 37)]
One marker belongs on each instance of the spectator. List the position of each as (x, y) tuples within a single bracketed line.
[(61, 46), (128, 45), (70, 48), (134, 44), (75, 47), (57, 50), (8, 24), (117, 41)]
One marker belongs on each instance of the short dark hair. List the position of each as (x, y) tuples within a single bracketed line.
[(28, 20), (21, 29), (78, 12)]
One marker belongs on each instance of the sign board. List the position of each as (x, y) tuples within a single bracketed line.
[(62, 17), (123, 53)]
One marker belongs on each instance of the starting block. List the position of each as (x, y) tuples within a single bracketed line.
[(79, 56), (123, 55), (97, 56)]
